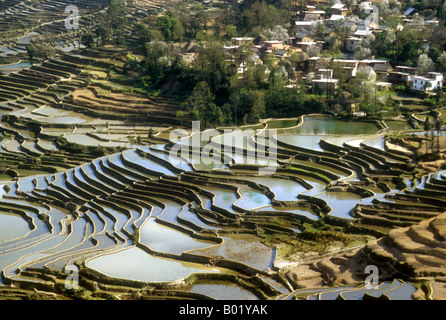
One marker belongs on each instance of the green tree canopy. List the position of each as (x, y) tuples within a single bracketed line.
[(170, 27)]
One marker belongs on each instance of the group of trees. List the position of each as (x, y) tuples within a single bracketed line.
[(213, 92), (112, 23), (189, 20), (432, 125)]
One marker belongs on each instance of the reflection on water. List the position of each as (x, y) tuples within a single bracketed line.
[(252, 199), (340, 202), (284, 189), (316, 128), (325, 126), (223, 291), (135, 264), (154, 235), (12, 226)]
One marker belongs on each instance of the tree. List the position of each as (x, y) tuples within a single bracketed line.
[(362, 53), (252, 104), (438, 123), (170, 27), (363, 88), (151, 134), (180, 114), (314, 50), (277, 33), (424, 64), (318, 29), (211, 66), (142, 31), (427, 125), (200, 102), (178, 31), (30, 52), (155, 62), (442, 61), (254, 77), (202, 17), (387, 8), (87, 39), (43, 50), (406, 48), (112, 22), (258, 15), (230, 31)]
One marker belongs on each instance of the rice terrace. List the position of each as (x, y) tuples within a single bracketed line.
[(109, 190)]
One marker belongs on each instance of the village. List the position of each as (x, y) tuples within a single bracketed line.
[(329, 45)]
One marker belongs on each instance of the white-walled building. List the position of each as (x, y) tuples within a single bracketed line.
[(352, 43), (428, 83), (323, 81)]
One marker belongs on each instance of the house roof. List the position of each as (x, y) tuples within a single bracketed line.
[(345, 60), (381, 67), (374, 61), (306, 43), (432, 16), (243, 38), (329, 30), (338, 6), (305, 23), (325, 80), (272, 41), (409, 11), (423, 78), (280, 52), (259, 39), (362, 33), (336, 17), (405, 67), (349, 23), (300, 35), (191, 46)]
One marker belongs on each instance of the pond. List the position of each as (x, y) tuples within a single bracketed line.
[(318, 127), (177, 162), (284, 189), (252, 199), (282, 123), (326, 126), (154, 235), (12, 226), (82, 139), (135, 264), (243, 248), (223, 291), (133, 156), (398, 125), (224, 198), (27, 38), (8, 68), (340, 202)]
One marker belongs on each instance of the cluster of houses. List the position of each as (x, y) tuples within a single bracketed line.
[(303, 40)]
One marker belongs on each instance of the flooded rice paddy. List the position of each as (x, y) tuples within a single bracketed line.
[(146, 215)]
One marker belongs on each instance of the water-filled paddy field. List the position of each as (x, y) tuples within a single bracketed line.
[(146, 216)]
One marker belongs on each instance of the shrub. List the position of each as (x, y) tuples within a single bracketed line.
[(97, 151)]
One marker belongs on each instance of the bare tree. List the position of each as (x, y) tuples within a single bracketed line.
[(424, 63)]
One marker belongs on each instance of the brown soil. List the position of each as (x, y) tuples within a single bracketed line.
[(418, 251), (96, 98)]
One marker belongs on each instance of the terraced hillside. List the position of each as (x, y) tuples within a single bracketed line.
[(38, 111), (226, 226), (96, 185)]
